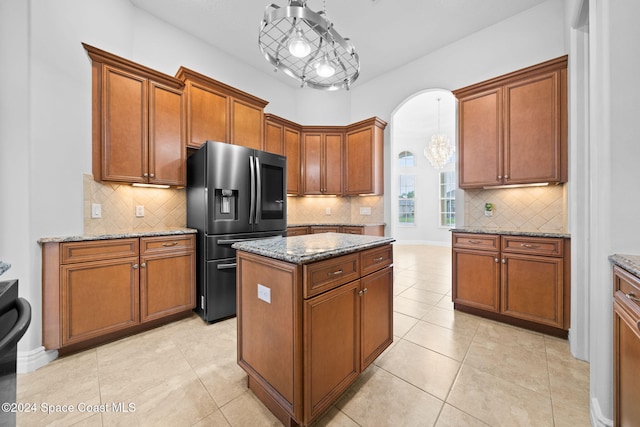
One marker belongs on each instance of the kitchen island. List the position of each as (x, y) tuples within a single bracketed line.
[(313, 312)]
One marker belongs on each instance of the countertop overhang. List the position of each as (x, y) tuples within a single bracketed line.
[(311, 247), (631, 263), (501, 231), (122, 234)]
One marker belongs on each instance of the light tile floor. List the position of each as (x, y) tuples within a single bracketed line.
[(445, 368)]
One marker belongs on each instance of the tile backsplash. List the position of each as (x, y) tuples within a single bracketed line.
[(163, 208), (525, 208), (307, 210)]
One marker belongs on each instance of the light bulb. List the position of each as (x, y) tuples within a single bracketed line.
[(325, 68), (299, 45)]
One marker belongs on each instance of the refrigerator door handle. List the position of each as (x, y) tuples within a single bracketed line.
[(258, 191), (252, 209)]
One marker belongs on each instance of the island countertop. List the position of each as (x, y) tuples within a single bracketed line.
[(311, 247)]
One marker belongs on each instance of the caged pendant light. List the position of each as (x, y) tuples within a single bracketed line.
[(439, 150), (305, 45)]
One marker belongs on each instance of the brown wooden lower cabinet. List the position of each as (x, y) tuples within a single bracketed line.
[(516, 279), (369, 230), (319, 330), (97, 290), (626, 348)]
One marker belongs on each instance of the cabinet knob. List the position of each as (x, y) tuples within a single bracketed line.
[(152, 175), (135, 266), (496, 260), (145, 174), (506, 177), (143, 265), (365, 290), (499, 177), (361, 293), (504, 261)]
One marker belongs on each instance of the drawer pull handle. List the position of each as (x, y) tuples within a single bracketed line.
[(334, 273), (632, 297), (169, 244), (475, 242), (529, 245), (378, 259)]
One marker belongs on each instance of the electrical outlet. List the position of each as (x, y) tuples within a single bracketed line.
[(327, 211), (365, 211), (264, 293), (96, 210), (139, 211)]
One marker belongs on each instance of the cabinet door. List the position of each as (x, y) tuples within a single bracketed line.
[(167, 284), (274, 138), (532, 126), (331, 346), (476, 279), (332, 164), (626, 363), (316, 229), (359, 174), (166, 136), (376, 314), (312, 161), (292, 151), (125, 126), (98, 297), (246, 124), (480, 139), (208, 115), (532, 288)]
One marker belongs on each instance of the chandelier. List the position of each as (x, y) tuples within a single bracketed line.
[(439, 150), (304, 45)]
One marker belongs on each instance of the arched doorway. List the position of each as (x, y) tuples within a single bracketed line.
[(422, 197)]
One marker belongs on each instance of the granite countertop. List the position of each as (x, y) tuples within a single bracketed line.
[(631, 263), (336, 224), (121, 234), (500, 231), (311, 247)]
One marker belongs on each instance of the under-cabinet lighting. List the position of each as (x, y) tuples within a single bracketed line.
[(136, 184), (537, 184)]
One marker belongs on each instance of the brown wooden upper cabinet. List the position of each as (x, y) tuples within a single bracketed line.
[(513, 129), (322, 160), (283, 137), (219, 112), (364, 157), (138, 122)]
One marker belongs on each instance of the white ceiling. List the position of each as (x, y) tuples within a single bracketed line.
[(386, 33)]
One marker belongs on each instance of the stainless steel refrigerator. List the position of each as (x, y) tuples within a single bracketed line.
[(234, 194)]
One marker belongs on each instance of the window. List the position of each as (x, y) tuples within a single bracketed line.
[(406, 202), (405, 159), (448, 199)]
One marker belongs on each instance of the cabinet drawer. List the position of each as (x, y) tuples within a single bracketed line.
[(352, 229), (376, 259), (324, 275), (476, 241), (297, 231), (625, 287), (95, 250), (152, 245), (549, 246)]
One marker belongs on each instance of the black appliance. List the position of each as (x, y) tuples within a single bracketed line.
[(234, 194), (15, 316)]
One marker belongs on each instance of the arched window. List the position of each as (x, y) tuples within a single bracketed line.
[(405, 159)]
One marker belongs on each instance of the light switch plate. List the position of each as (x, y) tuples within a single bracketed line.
[(96, 210), (264, 293), (365, 211), (139, 211)]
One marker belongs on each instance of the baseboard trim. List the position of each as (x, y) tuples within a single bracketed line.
[(597, 419), (29, 361)]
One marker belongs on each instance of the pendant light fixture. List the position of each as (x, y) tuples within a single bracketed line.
[(439, 150), (304, 45)]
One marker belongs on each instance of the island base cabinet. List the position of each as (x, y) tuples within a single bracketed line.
[(301, 354)]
